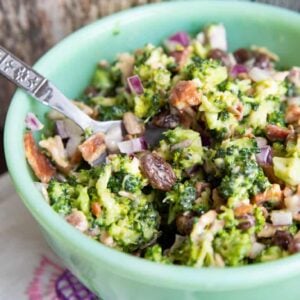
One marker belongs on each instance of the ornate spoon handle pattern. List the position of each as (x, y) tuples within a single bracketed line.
[(45, 92)]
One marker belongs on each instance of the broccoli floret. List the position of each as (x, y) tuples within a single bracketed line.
[(61, 196), (151, 65), (137, 224), (292, 147), (210, 72), (106, 78), (259, 184), (260, 219), (122, 181), (181, 199), (83, 199), (258, 118), (216, 107), (227, 215), (130, 222), (148, 104), (102, 79), (196, 253), (154, 253), (287, 169), (277, 118), (235, 164), (182, 147), (113, 110), (271, 253), (269, 88), (126, 175), (233, 245)]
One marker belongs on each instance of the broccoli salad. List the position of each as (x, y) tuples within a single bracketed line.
[(205, 168)]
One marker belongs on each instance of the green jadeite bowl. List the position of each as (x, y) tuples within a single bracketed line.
[(109, 273)]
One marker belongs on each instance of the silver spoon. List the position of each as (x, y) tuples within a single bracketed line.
[(42, 90)]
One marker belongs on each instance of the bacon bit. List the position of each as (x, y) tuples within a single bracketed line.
[(243, 210), (181, 57), (78, 220), (185, 94), (39, 163), (237, 111), (55, 147), (273, 193), (93, 147), (292, 114), (96, 209), (275, 132)]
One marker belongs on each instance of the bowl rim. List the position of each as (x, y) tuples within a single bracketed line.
[(128, 266)]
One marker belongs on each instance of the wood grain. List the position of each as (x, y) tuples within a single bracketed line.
[(31, 27)]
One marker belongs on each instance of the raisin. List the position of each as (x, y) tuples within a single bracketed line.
[(242, 55), (184, 223), (220, 55), (282, 239), (160, 174)]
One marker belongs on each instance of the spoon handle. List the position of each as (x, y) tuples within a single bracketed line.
[(40, 88)]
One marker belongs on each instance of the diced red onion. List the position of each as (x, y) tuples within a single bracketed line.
[(281, 218), (181, 38), (113, 136), (135, 84), (292, 203), (216, 36), (264, 156), (257, 74), (61, 129), (238, 69), (261, 142), (32, 122), (133, 146), (256, 249)]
